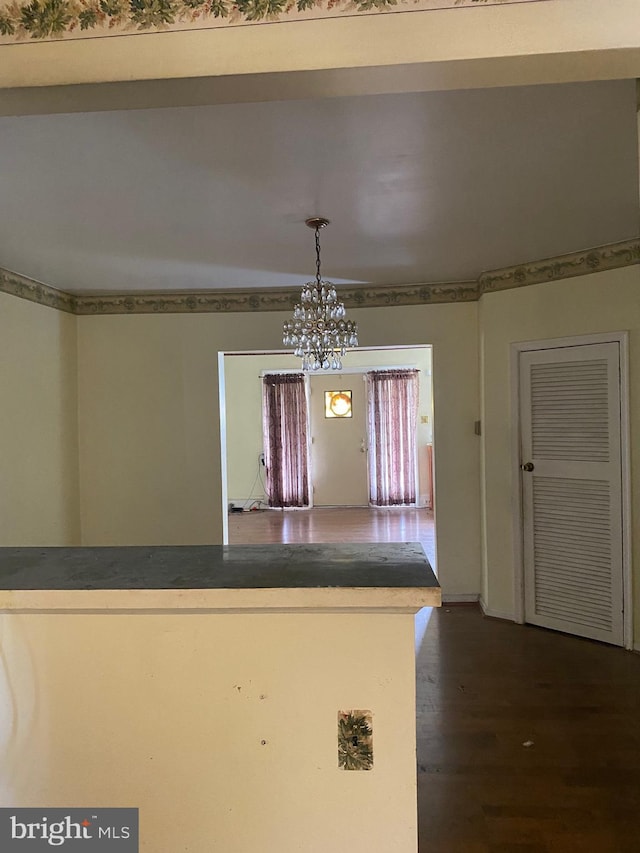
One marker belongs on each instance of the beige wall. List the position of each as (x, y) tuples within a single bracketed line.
[(38, 425), (603, 302), (149, 429), (150, 448), (243, 400)]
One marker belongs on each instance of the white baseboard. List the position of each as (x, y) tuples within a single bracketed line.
[(496, 614), (423, 500), (460, 599)]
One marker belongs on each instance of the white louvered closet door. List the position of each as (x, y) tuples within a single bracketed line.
[(572, 499)]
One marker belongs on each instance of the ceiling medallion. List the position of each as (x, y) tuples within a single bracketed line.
[(319, 332)]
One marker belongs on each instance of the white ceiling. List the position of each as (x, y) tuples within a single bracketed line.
[(419, 187)]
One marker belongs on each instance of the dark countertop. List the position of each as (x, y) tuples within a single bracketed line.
[(387, 565)]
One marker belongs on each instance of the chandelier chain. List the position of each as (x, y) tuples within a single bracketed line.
[(318, 278)]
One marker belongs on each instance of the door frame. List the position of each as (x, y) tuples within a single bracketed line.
[(622, 339)]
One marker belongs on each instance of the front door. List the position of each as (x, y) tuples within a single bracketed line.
[(338, 444), (572, 489)]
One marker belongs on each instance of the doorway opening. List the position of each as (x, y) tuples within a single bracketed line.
[(339, 507)]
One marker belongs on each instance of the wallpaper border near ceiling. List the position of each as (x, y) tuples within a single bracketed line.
[(611, 256), (227, 301), (34, 291), (55, 20), (602, 258)]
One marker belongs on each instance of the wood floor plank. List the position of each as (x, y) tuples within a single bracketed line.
[(335, 524), (484, 689)]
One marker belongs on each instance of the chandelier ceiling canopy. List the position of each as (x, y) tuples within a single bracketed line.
[(319, 331)]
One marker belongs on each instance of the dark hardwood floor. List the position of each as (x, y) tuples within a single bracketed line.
[(485, 688)]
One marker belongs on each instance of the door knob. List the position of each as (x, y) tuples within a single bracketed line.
[(528, 466)]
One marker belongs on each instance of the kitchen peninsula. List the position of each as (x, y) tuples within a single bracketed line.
[(212, 686)]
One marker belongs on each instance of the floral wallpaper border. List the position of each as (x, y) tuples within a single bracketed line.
[(53, 20), (612, 256), (608, 257), (269, 300), (34, 291)]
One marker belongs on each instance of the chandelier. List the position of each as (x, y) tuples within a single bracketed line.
[(319, 332)]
